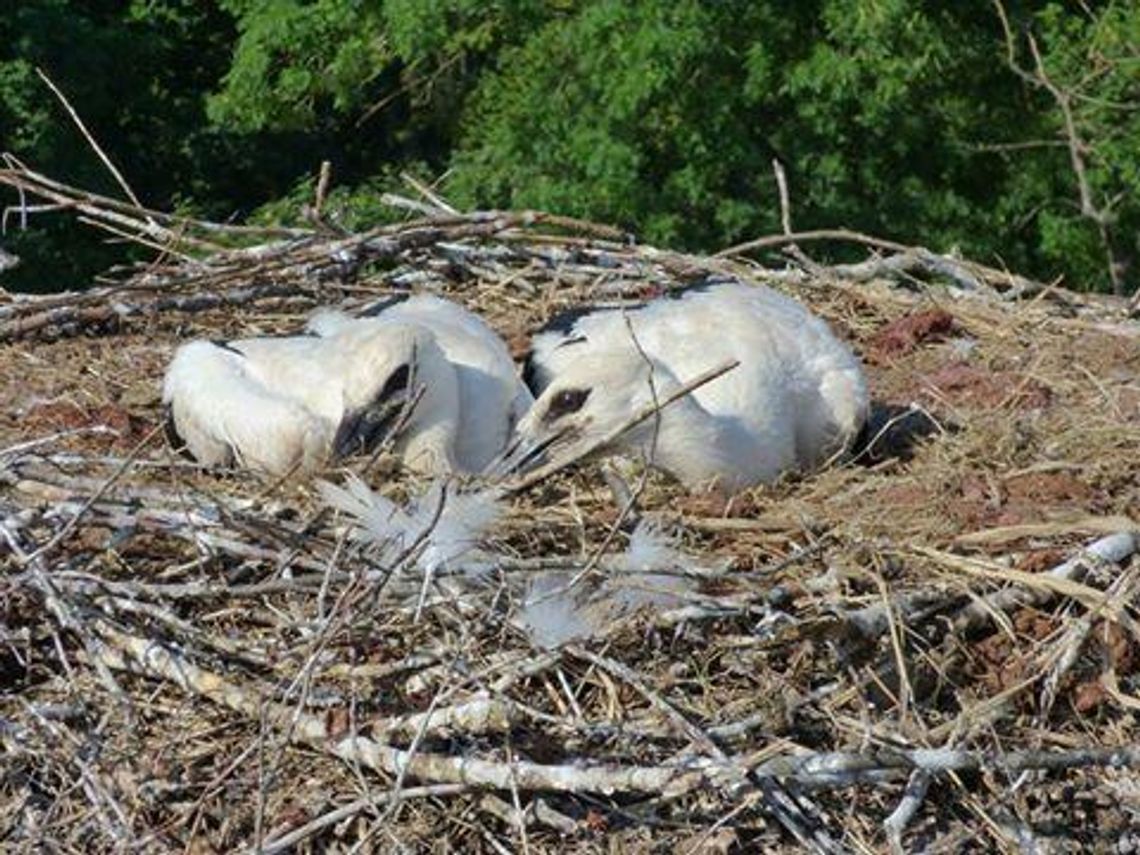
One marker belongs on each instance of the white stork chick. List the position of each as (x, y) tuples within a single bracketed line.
[(492, 398), (275, 404), (797, 397)]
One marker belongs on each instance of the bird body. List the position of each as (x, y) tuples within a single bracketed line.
[(797, 396), (275, 404)]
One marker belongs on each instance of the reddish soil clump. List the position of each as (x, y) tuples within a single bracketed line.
[(1047, 488), (59, 416), (969, 386), (903, 335)]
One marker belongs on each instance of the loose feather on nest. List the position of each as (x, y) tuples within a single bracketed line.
[(558, 608), (442, 527)]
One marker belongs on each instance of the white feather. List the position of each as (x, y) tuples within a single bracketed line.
[(551, 614), (554, 612), (449, 537), (650, 548)]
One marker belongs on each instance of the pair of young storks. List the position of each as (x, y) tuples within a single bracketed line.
[(445, 382)]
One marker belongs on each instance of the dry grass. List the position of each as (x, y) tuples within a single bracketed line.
[(197, 662)]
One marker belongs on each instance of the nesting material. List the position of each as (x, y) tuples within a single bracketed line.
[(924, 649)]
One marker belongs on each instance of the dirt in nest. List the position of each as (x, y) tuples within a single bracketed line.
[(124, 429), (902, 336), (963, 385), (1039, 560), (1003, 661), (1109, 353), (1039, 488), (974, 501), (716, 504)]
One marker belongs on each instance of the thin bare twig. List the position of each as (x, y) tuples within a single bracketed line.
[(98, 149)]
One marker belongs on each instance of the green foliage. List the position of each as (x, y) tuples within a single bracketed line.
[(630, 113), (668, 122), (305, 66), (898, 117), (297, 62), (353, 208), (878, 139), (1094, 61), (138, 73), (134, 71)]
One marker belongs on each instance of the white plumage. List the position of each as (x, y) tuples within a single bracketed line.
[(492, 398), (442, 529), (555, 610), (272, 404), (797, 397), (441, 533)]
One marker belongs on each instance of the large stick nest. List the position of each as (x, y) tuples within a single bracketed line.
[(921, 650)]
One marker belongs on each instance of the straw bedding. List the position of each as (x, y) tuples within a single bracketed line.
[(915, 652)]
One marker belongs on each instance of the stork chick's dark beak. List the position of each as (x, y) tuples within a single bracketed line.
[(522, 454), (362, 430)]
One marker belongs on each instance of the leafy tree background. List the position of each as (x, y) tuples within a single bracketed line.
[(926, 122)]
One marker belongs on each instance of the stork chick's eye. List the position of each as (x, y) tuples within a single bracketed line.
[(565, 402), (396, 383)]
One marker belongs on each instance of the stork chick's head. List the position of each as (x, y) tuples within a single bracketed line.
[(398, 381), (582, 410)]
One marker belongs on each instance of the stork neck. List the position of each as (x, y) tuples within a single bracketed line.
[(428, 441), (700, 448), (428, 450)]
